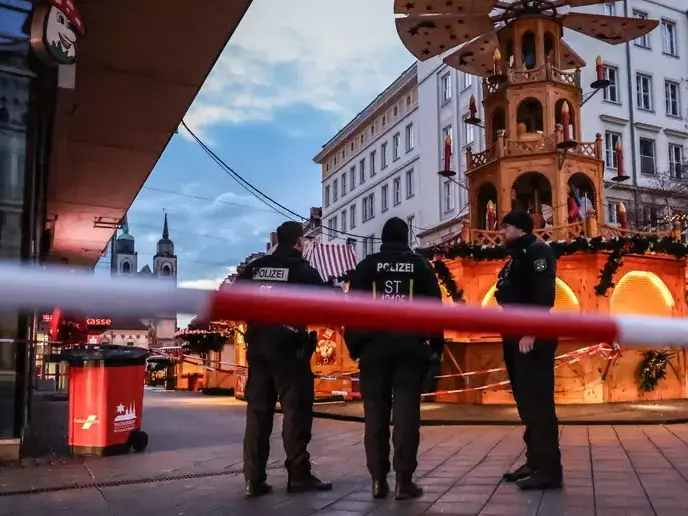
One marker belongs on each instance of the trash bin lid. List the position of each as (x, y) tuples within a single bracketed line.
[(107, 356)]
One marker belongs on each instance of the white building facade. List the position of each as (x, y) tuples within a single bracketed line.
[(371, 170), (645, 108)]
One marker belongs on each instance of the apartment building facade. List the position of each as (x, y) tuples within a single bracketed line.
[(370, 169), (645, 109)]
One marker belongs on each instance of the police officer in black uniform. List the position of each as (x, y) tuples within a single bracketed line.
[(279, 368), (528, 278), (393, 363)]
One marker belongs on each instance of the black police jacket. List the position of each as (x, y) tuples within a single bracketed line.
[(528, 277), (395, 274), (285, 266)]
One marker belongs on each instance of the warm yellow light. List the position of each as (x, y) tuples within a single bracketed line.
[(642, 293), (565, 300)]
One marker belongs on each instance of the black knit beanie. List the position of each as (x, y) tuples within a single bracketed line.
[(395, 230), (520, 220)]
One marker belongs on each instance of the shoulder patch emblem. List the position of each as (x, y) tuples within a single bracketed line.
[(540, 265)]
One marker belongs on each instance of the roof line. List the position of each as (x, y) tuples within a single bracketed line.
[(396, 85)]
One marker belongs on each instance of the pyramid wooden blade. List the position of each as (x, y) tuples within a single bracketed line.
[(428, 36), (475, 58), (569, 58), (610, 29), (586, 3), (444, 6)]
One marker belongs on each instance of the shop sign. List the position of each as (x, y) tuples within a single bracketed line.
[(55, 29), (99, 322)]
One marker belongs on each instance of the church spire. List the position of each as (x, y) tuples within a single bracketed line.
[(124, 224), (165, 229)]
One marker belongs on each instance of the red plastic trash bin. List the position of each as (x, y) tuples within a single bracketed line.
[(106, 399)]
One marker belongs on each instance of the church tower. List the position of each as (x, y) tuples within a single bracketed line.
[(124, 259), (165, 261)]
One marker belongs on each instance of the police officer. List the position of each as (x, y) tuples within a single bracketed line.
[(279, 368), (392, 363), (528, 278)]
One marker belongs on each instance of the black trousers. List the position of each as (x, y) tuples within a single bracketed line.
[(532, 382), (385, 381), (277, 373)]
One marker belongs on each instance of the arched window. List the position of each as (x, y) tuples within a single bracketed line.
[(528, 48), (166, 270), (487, 193), (498, 122), (126, 268), (549, 45), (530, 113)]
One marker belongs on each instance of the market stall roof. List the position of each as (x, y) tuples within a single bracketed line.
[(331, 260)]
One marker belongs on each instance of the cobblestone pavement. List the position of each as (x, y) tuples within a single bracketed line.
[(193, 464)]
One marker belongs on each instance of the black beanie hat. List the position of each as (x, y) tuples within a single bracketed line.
[(520, 220), (395, 230)]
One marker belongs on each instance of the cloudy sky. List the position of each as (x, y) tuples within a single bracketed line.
[(266, 109)]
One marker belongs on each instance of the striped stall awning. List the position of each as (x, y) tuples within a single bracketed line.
[(331, 260)]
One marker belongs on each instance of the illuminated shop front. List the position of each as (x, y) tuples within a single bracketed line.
[(87, 105)]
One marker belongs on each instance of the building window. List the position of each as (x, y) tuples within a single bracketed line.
[(352, 216), (410, 186), (611, 93), (343, 184), (327, 196), (352, 178), (126, 268), (672, 92), (368, 245), (395, 146), (373, 154), (411, 221), (669, 45), (409, 137), (384, 198), (642, 41), (396, 190), (361, 172), (383, 156), (445, 85), (467, 81), (467, 132), (643, 85), (335, 190), (368, 207), (647, 157), (344, 221), (609, 9), (332, 226), (676, 161), (447, 196), (613, 212), (611, 140)]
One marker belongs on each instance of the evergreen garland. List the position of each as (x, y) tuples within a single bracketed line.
[(617, 247), (447, 279), (653, 368)]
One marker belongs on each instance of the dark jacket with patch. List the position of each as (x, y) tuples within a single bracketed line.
[(285, 266), (395, 274), (528, 278)]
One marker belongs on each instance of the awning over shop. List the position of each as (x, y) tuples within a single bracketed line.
[(331, 260)]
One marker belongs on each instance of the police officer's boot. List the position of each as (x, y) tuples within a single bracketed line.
[(520, 473), (380, 489), (541, 479), (256, 489), (307, 484), (406, 488)]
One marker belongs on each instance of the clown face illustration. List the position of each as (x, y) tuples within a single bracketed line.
[(60, 37), (55, 30)]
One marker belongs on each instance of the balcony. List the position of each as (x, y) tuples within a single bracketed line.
[(547, 72), (529, 144)]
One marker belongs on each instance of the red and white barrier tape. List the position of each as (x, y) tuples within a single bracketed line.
[(32, 288)]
